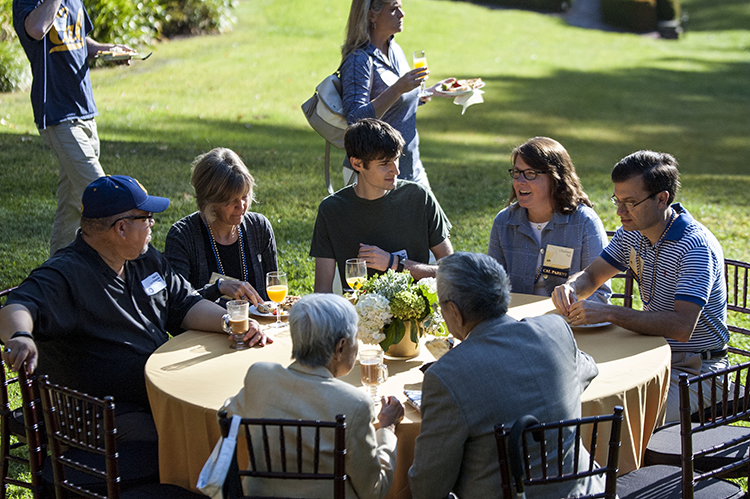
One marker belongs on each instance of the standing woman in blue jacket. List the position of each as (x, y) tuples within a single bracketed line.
[(377, 80), (549, 230)]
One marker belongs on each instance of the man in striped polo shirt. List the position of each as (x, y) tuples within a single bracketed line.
[(677, 262)]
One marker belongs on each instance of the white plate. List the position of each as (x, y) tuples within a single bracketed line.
[(455, 93), (254, 311), (591, 326)]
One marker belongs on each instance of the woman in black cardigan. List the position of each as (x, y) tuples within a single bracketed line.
[(222, 240)]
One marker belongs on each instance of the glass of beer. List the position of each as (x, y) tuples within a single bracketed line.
[(276, 287), (356, 273), (236, 322), (374, 372)]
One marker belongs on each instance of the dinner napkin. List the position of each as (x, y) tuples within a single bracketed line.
[(466, 100)]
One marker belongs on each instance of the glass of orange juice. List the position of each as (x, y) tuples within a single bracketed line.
[(420, 61), (276, 287)]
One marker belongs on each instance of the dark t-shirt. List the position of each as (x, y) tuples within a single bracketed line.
[(408, 218), (94, 330), (61, 88)]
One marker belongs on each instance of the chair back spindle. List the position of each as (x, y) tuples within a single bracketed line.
[(627, 295)]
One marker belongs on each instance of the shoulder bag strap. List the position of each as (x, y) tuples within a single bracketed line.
[(328, 168)]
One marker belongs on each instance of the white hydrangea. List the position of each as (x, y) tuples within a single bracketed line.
[(430, 283), (374, 313)]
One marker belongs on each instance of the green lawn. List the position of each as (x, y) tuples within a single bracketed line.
[(603, 95)]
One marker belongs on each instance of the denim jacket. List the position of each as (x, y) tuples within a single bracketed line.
[(367, 73), (514, 246)]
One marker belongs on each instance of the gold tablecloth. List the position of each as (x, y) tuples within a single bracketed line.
[(189, 378)]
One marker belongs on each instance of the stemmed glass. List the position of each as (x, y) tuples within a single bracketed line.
[(420, 61), (277, 288), (356, 273)]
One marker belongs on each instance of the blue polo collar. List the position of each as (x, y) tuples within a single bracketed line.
[(677, 230)]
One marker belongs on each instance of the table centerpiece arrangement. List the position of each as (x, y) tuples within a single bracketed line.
[(395, 312)]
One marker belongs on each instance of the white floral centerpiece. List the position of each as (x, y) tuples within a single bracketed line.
[(388, 300)]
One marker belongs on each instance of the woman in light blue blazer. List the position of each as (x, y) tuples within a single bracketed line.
[(549, 230)]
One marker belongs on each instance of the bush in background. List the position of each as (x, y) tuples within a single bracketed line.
[(14, 70), (15, 73), (193, 17), (129, 22)]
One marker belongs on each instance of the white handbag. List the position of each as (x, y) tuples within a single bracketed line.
[(325, 113), (214, 472)]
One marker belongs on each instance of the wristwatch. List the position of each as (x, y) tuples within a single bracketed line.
[(400, 266), (219, 282)]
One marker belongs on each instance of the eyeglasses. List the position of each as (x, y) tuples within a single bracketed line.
[(149, 218), (527, 174), (629, 205)]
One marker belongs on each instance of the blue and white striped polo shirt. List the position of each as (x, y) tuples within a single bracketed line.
[(689, 267)]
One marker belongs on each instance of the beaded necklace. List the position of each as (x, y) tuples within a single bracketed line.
[(212, 239), (639, 260)]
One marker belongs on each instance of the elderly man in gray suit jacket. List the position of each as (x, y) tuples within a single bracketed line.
[(502, 370)]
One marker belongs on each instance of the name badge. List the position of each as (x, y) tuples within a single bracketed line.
[(153, 284), (557, 260)]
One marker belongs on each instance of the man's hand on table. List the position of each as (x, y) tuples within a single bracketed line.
[(255, 336), (564, 296), (391, 413), (588, 312)]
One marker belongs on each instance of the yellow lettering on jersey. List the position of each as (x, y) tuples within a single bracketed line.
[(66, 38)]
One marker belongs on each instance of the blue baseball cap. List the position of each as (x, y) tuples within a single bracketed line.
[(111, 195)]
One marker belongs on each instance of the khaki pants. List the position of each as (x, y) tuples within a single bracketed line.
[(76, 145), (691, 364)]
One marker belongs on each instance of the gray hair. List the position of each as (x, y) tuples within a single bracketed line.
[(317, 323), (477, 284)]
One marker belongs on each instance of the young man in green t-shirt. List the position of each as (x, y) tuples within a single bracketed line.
[(390, 223)]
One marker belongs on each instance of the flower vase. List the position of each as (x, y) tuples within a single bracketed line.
[(404, 349)]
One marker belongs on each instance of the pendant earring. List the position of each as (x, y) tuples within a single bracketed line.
[(373, 26)]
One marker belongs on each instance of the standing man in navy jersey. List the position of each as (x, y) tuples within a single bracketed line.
[(677, 262), (53, 34)]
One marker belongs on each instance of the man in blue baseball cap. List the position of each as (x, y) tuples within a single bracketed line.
[(92, 314)]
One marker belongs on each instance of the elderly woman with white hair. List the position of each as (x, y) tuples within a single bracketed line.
[(223, 238), (324, 347)]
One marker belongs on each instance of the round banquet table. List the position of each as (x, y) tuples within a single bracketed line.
[(189, 378)]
